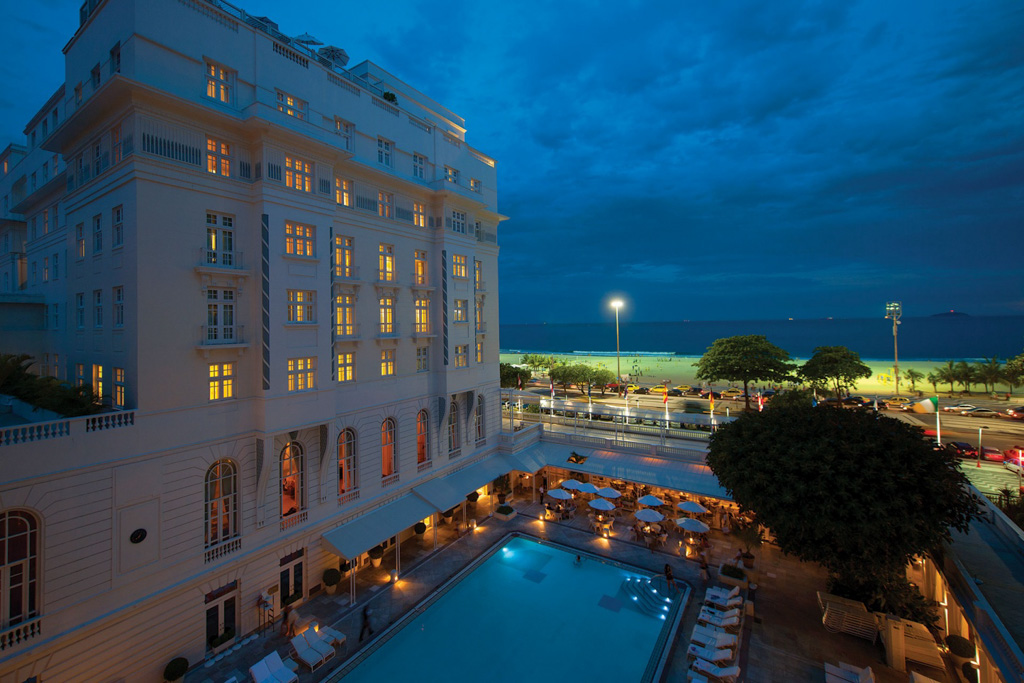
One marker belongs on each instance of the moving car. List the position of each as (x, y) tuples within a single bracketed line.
[(707, 393), (676, 392), (962, 449), (991, 453), (980, 412), (641, 390), (958, 408), (684, 388), (732, 393), (1014, 453), (897, 402), (659, 389), (1017, 413)]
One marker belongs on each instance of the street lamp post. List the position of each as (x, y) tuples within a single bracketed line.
[(893, 311), (617, 304), (979, 444)]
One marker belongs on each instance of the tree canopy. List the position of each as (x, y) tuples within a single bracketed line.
[(858, 493), (48, 393), (511, 375), (745, 358), (836, 367)]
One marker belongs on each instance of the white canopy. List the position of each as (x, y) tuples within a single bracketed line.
[(601, 504), (445, 493), (648, 515), (691, 524), (354, 538)]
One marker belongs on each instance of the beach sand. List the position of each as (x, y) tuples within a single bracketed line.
[(651, 370)]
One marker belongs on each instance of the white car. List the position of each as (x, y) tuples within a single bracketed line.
[(958, 408), (1012, 466)]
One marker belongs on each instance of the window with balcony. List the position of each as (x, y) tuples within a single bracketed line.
[(119, 387), (454, 437), (421, 311), (301, 306), (221, 497), (299, 240), (387, 362), (387, 315), (459, 222), (218, 157), (419, 215), (419, 268), (386, 263), (220, 316), (292, 478), (451, 175), (344, 257), (462, 356), (19, 567), (422, 437), (459, 266), (345, 315), (97, 383), (301, 374), (348, 472), (385, 152), (346, 367), (423, 359), (385, 205), (419, 163), (461, 310), (388, 461), (118, 298), (343, 192), (298, 174), (291, 105), (220, 83), (220, 240), (117, 227), (222, 381)]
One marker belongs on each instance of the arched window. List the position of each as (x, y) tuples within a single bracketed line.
[(478, 419), (387, 447), (221, 502), (348, 476), (293, 484), (19, 567), (422, 440), (454, 441)]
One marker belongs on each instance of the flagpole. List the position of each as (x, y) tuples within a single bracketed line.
[(938, 426)]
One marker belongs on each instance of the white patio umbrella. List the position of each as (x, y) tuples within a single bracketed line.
[(608, 492), (571, 484), (559, 494), (648, 515), (587, 487), (692, 506), (691, 524), (653, 501), (601, 504)]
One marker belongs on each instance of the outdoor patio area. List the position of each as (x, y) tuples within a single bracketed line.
[(782, 637)]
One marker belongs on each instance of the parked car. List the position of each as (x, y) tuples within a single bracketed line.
[(855, 401), (676, 392), (707, 393), (641, 390), (991, 453), (958, 408), (659, 389), (962, 449), (980, 412), (1014, 453), (732, 393), (684, 388), (1013, 465), (897, 402), (1016, 413)]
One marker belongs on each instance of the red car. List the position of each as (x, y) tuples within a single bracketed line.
[(991, 453), (1014, 453)]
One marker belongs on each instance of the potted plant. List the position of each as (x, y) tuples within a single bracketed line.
[(332, 577), (389, 96), (473, 497), (175, 669), (750, 536), (968, 672), (500, 487), (419, 528), (505, 512), (732, 575), (960, 649), (222, 642), (344, 567), (375, 553)]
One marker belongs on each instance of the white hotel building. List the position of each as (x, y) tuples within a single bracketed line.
[(280, 274)]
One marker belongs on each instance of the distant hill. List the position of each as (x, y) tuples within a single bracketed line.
[(950, 314)]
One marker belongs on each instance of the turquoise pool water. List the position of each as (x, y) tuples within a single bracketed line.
[(526, 613)]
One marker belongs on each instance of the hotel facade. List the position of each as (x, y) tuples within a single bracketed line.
[(279, 274)]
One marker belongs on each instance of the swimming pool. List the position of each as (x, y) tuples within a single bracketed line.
[(527, 611)]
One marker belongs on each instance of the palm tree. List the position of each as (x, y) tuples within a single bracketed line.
[(965, 375), (947, 374), (913, 376), (934, 379), (989, 372)]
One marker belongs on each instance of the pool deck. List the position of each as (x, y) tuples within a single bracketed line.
[(784, 641)]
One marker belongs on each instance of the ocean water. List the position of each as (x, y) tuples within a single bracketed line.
[(936, 338)]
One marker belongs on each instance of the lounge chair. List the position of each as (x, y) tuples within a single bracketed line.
[(720, 622), (260, 673), (333, 637), (320, 645), (734, 612), (706, 637), (721, 592), (694, 677), (273, 670), (847, 673), (727, 674), (306, 654), (709, 654), (723, 603)]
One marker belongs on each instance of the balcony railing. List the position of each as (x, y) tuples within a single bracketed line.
[(218, 258), (424, 466), (346, 274), (421, 330), (16, 635), (388, 331), (42, 431), (348, 497), (481, 285), (481, 328), (346, 332), (223, 548), (389, 480), (222, 335), (294, 519)]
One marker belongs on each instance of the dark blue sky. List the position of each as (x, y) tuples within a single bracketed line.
[(709, 160)]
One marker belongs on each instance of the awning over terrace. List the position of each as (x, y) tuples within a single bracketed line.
[(445, 493), (354, 538)]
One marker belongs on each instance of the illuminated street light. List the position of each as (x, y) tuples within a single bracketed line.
[(893, 311), (617, 304), (979, 444)]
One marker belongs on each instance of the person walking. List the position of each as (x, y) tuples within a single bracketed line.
[(366, 628), (291, 617)]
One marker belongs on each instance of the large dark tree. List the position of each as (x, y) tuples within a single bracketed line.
[(858, 493), (746, 358), (834, 366), (513, 377)]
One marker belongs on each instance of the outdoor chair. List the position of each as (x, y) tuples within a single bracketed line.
[(318, 644), (723, 604), (721, 593), (734, 612), (710, 654), (306, 654), (707, 637), (847, 673), (726, 674), (335, 638), (273, 670), (694, 677), (720, 622)]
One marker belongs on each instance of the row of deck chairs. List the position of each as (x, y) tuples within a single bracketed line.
[(713, 642), (310, 647)]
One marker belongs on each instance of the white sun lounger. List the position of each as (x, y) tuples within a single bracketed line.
[(271, 669), (306, 654), (734, 612), (721, 593), (333, 637), (320, 645), (709, 654), (720, 622), (724, 603), (706, 637), (727, 674)]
